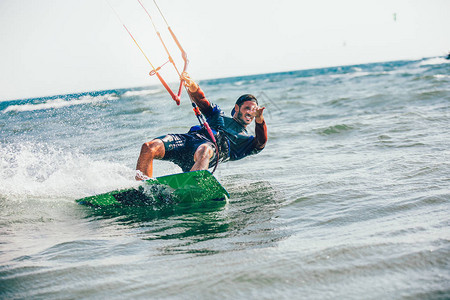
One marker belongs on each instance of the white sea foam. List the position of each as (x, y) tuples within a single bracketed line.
[(59, 103), (239, 83), (441, 76), (141, 93), (349, 75), (434, 61), (42, 171)]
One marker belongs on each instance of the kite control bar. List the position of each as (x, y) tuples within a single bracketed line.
[(175, 97), (154, 71)]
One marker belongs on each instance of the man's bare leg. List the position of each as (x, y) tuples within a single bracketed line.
[(202, 156), (149, 151)]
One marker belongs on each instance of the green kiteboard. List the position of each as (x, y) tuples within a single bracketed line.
[(184, 189)]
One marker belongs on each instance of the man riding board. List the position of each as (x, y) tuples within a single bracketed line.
[(195, 150)]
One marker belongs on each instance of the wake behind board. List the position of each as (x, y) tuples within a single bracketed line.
[(183, 189)]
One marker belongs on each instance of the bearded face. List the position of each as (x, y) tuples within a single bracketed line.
[(246, 112)]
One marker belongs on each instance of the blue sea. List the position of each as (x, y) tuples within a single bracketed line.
[(350, 199)]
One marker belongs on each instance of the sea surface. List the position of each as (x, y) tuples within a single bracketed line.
[(350, 199)]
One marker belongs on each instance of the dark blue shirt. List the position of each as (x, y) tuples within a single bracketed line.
[(240, 142)]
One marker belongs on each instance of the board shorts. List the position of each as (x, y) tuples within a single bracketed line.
[(180, 149)]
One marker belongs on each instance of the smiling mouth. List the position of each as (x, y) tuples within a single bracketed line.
[(249, 117)]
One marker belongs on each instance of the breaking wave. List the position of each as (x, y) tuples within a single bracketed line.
[(60, 103)]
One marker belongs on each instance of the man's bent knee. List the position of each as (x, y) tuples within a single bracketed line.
[(204, 151), (154, 148)]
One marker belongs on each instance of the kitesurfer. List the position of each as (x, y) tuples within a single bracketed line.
[(195, 150)]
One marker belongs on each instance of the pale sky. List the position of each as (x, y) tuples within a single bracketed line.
[(50, 47)]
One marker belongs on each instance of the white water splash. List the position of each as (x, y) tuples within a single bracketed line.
[(42, 171)]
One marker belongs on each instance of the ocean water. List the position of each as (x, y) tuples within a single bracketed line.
[(350, 199)]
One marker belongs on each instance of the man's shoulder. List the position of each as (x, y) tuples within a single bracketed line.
[(216, 107), (215, 112)]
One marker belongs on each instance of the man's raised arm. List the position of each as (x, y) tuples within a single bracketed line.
[(196, 93), (260, 129)]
